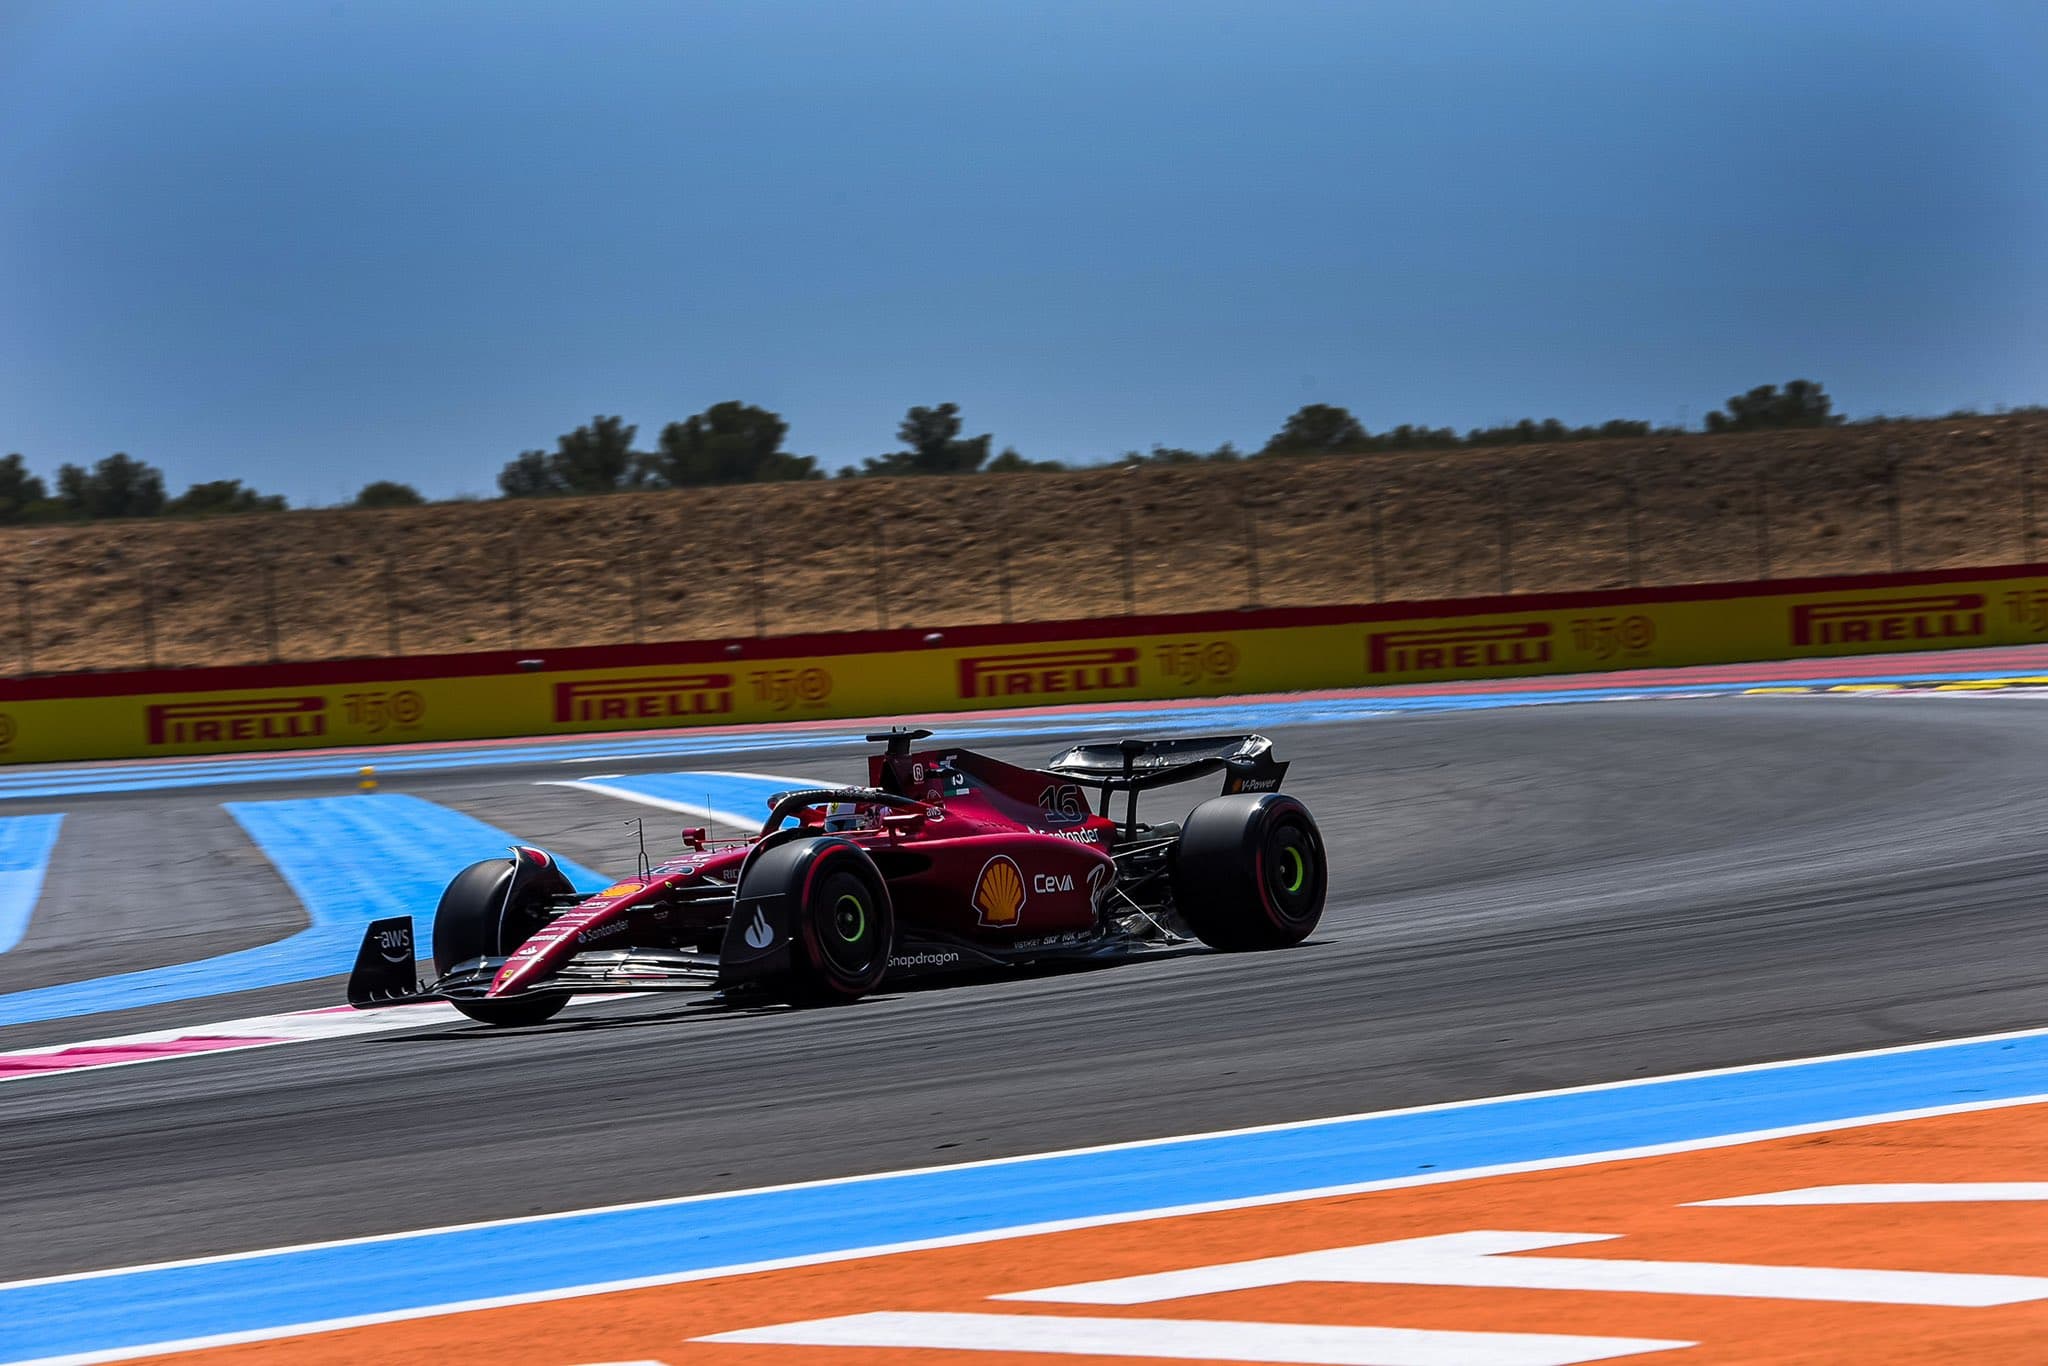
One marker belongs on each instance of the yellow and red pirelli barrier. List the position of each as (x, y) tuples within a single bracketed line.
[(881, 673)]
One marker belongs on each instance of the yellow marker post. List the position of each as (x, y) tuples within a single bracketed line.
[(368, 782)]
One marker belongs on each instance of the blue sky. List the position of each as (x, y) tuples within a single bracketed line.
[(310, 245)]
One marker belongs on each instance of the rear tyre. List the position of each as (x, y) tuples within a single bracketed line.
[(1249, 872), (474, 921)]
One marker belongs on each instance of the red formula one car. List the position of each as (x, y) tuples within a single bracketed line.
[(947, 860)]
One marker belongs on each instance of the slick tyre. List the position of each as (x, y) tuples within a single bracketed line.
[(843, 925), (475, 921), (1249, 872)]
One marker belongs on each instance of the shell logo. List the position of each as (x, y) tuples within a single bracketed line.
[(999, 891)]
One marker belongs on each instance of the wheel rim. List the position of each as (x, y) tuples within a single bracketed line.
[(1292, 870), (849, 919), (846, 928)]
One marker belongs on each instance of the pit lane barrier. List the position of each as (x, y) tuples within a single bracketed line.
[(767, 680)]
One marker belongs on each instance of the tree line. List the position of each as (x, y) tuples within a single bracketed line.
[(122, 486), (739, 443)]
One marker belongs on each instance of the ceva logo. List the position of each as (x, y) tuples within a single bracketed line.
[(1876, 621), (1104, 669), (656, 697), (261, 718), (1458, 647)]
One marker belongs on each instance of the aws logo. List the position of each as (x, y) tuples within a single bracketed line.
[(999, 891)]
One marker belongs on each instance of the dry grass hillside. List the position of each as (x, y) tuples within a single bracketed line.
[(849, 554)]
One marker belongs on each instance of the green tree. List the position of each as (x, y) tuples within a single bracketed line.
[(1319, 429), (388, 493), (597, 458), (1802, 403), (530, 474), (1009, 462), (19, 490), (1529, 432), (1408, 437), (223, 495), (117, 486), (727, 443), (936, 446)]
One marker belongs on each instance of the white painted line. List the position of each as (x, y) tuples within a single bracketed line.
[(1477, 1260), (991, 1235), (1172, 1211), (1306, 1344), (258, 1031), (705, 810), (700, 810), (235, 1036), (1897, 1193), (1135, 1216)]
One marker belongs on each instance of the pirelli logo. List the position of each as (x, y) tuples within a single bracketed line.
[(1040, 673), (655, 697), (243, 722), (1458, 647), (1879, 621)]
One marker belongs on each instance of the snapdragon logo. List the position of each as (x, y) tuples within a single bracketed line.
[(924, 960)]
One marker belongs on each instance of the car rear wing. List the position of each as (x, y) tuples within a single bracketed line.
[(1246, 761)]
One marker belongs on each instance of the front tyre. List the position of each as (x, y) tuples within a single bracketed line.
[(475, 920), (840, 922), (1249, 872)]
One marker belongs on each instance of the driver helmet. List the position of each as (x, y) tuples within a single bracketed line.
[(843, 816)]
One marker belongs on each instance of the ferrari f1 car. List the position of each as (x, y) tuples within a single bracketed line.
[(947, 860)]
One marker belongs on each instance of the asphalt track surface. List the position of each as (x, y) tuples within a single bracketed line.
[(1521, 899)]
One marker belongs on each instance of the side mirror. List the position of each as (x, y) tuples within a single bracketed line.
[(903, 822)]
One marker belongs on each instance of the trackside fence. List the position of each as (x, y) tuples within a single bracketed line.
[(882, 554)]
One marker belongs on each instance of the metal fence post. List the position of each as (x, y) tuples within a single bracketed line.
[(270, 607), (636, 569), (882, 570), (148, 619), (1251, 553), (2027, 499), (392, 640), (1507, 537), (1003, 554), (1379, 559), (1630, 505), (1763, 524), (512, 594), (1892, 505), (760, 573), (22, 589), (1123, 514)]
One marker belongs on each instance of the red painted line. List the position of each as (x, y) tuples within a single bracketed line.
[(101, 1055)]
